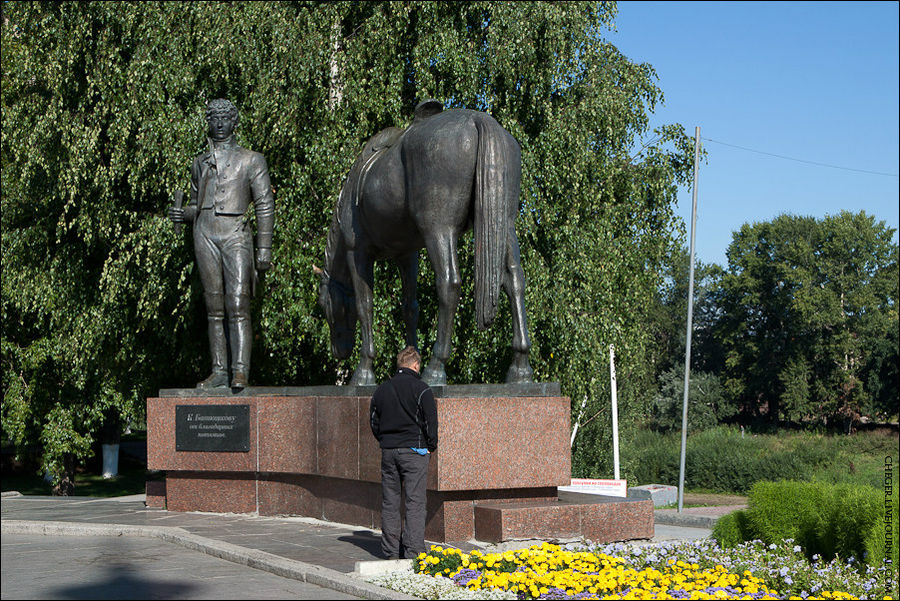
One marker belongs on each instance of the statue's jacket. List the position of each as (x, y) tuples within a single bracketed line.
[(228, 178)]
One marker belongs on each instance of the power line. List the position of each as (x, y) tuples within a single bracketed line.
[(780, 156)]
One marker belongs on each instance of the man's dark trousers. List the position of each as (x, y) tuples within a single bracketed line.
[(406, 466)]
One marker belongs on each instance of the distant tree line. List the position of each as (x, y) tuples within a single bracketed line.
[(801, 327)]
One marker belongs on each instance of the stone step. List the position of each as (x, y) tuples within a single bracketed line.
[(597, 518)]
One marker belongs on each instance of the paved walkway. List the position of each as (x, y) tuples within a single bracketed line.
[(311, 552), (699, 517), (39, 566)]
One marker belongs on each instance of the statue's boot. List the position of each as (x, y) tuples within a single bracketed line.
[(239, 380), (215, 380), (219, 354), (241, 335)]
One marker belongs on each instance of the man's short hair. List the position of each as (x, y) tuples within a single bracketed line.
[(408, 357), (221, 106)]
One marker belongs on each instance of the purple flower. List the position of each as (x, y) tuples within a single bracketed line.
[(464, 576)]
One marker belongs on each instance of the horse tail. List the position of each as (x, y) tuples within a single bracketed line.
[(497, 181)]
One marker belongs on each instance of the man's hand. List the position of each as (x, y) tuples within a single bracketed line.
[(263, 259)]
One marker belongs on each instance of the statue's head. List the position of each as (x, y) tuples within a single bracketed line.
[(222, 117), (339, 305)]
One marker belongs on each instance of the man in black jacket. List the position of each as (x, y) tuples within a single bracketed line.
[(403, 416)]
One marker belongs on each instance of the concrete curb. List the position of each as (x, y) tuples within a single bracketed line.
[(260, 560), (686, 520), (365, 569)]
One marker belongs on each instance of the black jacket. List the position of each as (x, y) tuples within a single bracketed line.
[(403, 413)]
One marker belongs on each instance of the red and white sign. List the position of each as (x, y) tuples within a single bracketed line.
[(612, 488)]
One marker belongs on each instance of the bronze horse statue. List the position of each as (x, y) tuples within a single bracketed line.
[(423, 187)]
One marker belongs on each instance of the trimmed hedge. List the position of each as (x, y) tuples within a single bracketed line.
[(829, 520)]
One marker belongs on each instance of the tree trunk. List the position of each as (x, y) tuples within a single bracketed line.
[(66, 485), (336, 85)]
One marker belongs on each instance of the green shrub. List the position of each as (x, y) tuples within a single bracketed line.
[(812, 450), (855, 525), (652, 458), (721, 459), (788, 509), (732, 529), (875, 544), (846, 520)]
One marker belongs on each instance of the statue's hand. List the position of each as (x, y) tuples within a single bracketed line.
[(263, 259), (176, 215), (183, 215)]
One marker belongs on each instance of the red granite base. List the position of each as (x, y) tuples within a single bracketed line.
[(155, 494), (480, 440), (312, 454)]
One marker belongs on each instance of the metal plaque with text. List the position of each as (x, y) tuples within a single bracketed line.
[(212, 428)]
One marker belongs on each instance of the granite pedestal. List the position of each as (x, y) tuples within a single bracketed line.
[(502, 451)]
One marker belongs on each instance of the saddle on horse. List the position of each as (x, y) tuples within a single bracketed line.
[(382, 141)]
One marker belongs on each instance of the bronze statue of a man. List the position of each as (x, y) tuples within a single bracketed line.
[(224, 182)]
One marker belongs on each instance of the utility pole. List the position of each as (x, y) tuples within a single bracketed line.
[(690, 318)]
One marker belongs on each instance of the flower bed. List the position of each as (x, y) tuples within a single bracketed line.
[(682, 570)]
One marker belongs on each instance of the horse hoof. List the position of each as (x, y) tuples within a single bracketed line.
[(362, 378), (519, 375), (434, 376)]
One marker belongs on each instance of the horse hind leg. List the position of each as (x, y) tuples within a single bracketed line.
[(408, 266), (443, 255), (514, 284)]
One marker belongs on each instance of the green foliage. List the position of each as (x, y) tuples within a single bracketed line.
[(669, 314), (809, 319), (649, 457), (788, 510), (827, 520), (732, 529), (884, 535), (103, 110), (706, 404), (723, 460)]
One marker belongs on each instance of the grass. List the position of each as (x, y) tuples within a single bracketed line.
[(128, 482), (131, 480)]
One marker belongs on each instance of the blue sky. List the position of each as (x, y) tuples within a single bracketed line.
[(815, 81)]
